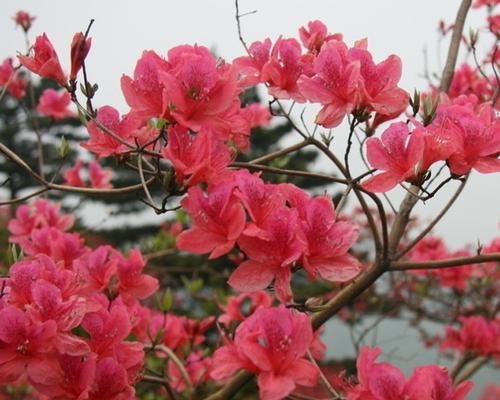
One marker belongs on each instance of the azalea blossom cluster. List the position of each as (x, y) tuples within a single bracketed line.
[(75, 321), (61, 287), (343, 80), (464, 133), (278, 227), (382, 380), (478, 335), (98, 177)]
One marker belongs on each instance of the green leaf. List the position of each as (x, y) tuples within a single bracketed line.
[(63, 148)]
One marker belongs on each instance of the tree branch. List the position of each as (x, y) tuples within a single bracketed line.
[(451, 262)]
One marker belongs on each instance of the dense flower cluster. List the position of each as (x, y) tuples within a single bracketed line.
[(71, 320), (277, 226), (55, 104), (61, 289), (11, 79), (464, 133), (384, 381), (342, 79), (98, 177), (271, 343), (477, 335)]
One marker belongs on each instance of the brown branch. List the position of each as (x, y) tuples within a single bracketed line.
[(172, 356), (451, 262), (347, 294), (473, 368), (434, 222), (24, 198), (65, 188), (281, 152), (456, 37), (281, 171), (401, 221)]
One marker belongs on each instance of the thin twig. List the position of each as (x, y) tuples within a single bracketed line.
[(451, 262), (456, 37)]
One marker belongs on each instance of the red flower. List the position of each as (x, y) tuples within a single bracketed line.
[(45, 61), (24, 20), (197, 158), (335, 85), (55, 104), (80, 47), (9, 76), (315, 35), (328, 242), (270, 258), (218, 220), (398, 154), (271, 343)]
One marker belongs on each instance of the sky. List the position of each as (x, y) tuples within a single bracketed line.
[(123, 29)]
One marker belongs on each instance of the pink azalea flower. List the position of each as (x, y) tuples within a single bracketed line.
[(55, 104), (61, 247), (271, 258), (174, 329), (398, 154), (335, 85), (476, 135), (239, 122), (133, 284), (197, 89), (467, 81), (260, 200), (23, 19), (218, 220), (99, 177), (380, 92), (25, 346), (144, 93), (271, 343), (104, 144), (487, 3), (71, 379), (315, 35), (48, 305), (240, 307), (251, 66), (433, 382), (45, 61), (328, 242), (477, 335), (196, 158), (490, 392), (494, 24), (111, 382), (197, 368), (96, 270), (377, 381), (41, 213), (284, 68), (80, 47), (72, 175), (384, 381), (8, 76)]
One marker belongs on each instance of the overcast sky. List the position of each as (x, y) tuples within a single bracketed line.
[(123, 29)]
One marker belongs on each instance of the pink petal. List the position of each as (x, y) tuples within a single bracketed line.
[(251, 276)]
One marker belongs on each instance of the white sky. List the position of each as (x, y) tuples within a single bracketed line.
[(123, 29)]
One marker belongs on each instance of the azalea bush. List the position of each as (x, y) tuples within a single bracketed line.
[(230, 297)]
